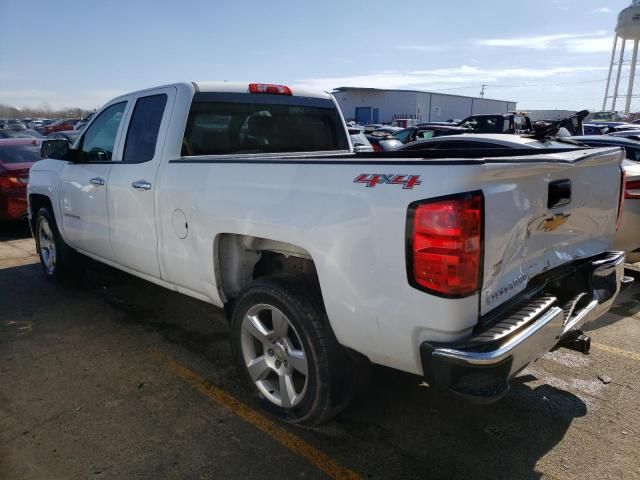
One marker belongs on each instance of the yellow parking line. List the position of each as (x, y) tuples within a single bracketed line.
[(289, 440), (617, 351)]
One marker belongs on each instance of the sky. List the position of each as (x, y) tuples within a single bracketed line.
[(544, 54)]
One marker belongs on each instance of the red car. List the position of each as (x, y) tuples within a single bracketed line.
[(16, 157), (60, 126)]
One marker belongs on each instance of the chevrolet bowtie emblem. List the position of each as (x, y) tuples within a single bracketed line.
[(550, 224)]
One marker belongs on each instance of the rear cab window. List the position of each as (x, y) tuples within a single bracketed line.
[(240, 123)]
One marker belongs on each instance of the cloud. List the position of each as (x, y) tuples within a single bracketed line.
[(420, 48), (597, 42), (443, 78), (589, 45)]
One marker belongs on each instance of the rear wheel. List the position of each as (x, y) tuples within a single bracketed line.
[(57, 259), (284, 347)]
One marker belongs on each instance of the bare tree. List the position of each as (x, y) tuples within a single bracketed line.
[(42, 111)]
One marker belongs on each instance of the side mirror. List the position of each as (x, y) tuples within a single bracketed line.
[(56, 149)]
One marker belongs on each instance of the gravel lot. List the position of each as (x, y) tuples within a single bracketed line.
[(113, 377)]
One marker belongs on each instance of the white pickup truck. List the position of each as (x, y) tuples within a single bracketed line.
[(248, 196)]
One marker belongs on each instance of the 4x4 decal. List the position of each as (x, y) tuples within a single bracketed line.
[(373, 179)]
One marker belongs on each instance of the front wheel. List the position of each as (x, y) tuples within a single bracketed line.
[(57, 259), (283, 345)]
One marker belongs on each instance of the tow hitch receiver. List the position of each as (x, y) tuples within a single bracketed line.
[(577, 341)]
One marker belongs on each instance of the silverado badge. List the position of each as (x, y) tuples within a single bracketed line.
[(550, 224)]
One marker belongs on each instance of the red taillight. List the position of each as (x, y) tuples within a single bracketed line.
[(269, 88), (11, 182), (632, 190), (445, 245)]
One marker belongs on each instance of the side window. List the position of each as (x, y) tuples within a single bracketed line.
[(143, 129), (425, 134), (99, 139), (403, 136)]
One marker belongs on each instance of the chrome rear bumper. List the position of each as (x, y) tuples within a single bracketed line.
[(481, 367)]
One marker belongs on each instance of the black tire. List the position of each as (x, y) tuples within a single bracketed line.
[(66, 259), (329, 387)]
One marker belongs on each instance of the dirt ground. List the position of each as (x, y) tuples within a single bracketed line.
[(113, 377)]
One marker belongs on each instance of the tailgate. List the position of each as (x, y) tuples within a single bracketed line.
[(540, 214)]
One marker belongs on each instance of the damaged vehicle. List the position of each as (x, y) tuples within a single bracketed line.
[(459, 266)]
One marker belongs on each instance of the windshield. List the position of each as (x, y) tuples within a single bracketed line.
[(19, 154)]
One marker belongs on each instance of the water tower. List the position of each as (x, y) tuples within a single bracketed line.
[(628, 28)]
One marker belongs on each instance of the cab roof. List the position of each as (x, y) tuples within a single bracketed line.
[(243, 87), (228, 87)]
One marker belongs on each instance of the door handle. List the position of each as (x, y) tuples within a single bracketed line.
[(97, 181), (141, 185)]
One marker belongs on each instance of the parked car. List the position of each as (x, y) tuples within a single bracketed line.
[(404, 122), (17, 155), (595, 129), (60, 126), (83, 123), (12, 124), (372, 126), (13, 134), (626, 127), (498, 123), (359, 140), (451, 123), (249, 197), (20, 134), (611, 125), (630, 134), (607, 117), (413, 134), (32, 133), (384, 143), (385, 131), (488, 142), (69, 135)]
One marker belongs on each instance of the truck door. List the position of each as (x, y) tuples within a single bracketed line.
[(132, 183), (83, 184)]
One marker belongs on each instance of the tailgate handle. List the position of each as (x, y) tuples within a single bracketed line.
[(559, 193)]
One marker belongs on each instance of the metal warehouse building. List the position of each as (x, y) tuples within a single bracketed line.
[(372, 105)]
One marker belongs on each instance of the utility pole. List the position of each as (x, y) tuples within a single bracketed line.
[(482, 92)]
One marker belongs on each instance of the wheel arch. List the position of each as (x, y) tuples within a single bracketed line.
[(240, 259), (36, 202)]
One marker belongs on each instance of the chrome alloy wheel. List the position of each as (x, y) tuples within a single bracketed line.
[(274, 355), (47, 246)]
